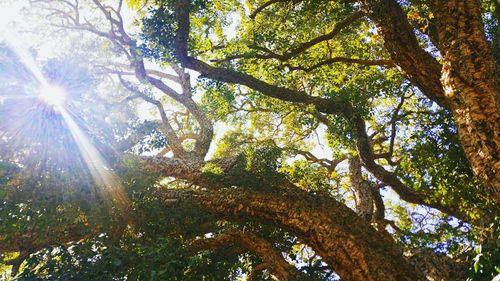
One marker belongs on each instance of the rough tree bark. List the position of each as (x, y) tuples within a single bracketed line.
[(345, 241), (471, 83), (363, 195), (420, 67), (354, 249), (466, 83)]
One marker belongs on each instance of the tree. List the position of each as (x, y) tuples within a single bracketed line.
[(466, 81), (390, 110)]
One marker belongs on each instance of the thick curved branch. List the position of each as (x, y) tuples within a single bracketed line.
[(282, 93), (318, 221), (346, 242)]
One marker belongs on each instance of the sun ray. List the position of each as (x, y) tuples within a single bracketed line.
[(108, 183)]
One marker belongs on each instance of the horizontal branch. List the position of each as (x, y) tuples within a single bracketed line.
[(381, 62), (306, 45), (269, 54), (272, 258)]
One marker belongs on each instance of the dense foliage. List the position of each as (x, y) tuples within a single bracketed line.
[(238, 140)]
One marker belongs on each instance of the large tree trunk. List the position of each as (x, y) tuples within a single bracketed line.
[(466, 83), (471, 82)]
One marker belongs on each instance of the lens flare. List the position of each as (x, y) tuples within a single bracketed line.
[(104, 178), (52, 95)]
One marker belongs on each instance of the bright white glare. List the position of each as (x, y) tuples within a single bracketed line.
[(52, 95), (107, 181)]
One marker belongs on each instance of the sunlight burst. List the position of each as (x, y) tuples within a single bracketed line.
[(53, 95), (56, 96)]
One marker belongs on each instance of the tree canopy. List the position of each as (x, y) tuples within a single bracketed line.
[(250, 140)]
